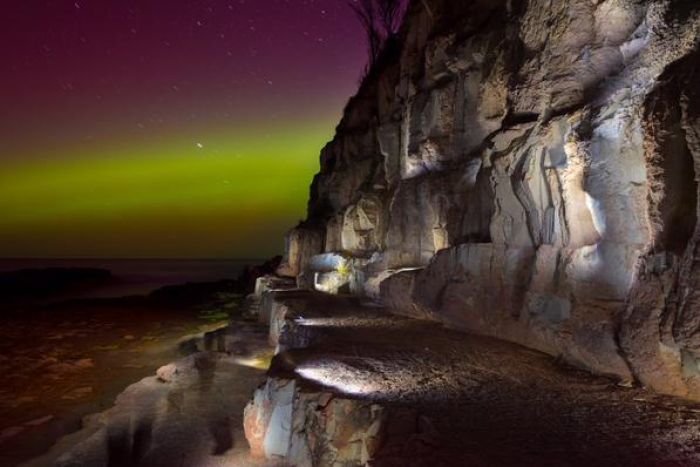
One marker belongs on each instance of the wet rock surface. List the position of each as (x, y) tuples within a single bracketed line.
[(353, 384), (64, 360), (190, 413)]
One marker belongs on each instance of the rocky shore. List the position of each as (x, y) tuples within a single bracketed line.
[(518, 181), (189, 413), (66, 359), (351, 384), (498, 266)]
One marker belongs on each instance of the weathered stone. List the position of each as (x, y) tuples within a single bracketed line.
[(538, 163), (396, 292), (371, 388), (311, 428), (301, 245)]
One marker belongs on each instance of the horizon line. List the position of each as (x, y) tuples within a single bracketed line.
[(136, 258)]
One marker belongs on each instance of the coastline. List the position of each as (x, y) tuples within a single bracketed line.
[(68, 359)]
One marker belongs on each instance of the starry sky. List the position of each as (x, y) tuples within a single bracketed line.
[(166, 128)]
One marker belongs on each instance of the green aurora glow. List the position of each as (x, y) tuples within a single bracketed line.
[(234, 196)]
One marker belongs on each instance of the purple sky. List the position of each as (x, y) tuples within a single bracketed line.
[(77, 70)]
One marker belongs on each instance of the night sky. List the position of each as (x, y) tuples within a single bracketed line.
[(166, 128)]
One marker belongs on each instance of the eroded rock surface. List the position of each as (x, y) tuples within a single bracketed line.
[(356, 386), (310, 428), (526, 170), (189, 414)]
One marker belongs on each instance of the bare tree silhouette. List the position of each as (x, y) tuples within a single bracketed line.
[(381, 20), (391, 15), (367, 15)]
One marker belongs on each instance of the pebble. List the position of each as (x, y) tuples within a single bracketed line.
[(166, 373)]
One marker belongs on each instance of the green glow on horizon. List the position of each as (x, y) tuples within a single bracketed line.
[(222, 195)]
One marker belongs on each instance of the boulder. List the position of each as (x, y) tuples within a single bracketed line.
[(307, 428)]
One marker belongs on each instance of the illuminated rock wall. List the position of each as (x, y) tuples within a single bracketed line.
[(311, 428), (527, 169)]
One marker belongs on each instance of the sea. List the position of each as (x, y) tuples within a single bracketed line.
[(140, 276)]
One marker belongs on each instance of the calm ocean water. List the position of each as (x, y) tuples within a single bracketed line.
[(140, 276)]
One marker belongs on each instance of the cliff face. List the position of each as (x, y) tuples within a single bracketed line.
[(527, 170)]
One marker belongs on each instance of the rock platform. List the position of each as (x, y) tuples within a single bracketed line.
[(353, 385)]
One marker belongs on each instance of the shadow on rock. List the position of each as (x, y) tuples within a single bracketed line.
[(129, 447)]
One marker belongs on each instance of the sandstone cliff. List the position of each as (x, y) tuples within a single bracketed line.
[(527, 170)]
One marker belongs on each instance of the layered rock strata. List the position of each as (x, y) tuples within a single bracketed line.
[(526, 170), (312, 428), (353, 385)]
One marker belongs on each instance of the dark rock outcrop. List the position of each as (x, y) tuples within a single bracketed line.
[(35, 285)]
